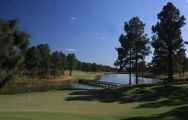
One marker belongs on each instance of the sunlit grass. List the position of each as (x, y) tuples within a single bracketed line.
[(143, 102)]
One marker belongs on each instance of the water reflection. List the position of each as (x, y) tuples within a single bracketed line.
[(117, 78), (124, 79)]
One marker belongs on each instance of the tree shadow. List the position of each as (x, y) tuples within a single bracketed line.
[(155, 95), (179, 113), (105, 95)]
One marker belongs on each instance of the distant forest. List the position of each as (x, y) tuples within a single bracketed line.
[(17, 57)]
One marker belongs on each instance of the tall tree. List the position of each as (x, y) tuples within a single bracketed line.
[(134, 46), (32, 62), (45, 59), (38, 60), (13, 44), (71, 62), (138, 41), (124, 55), (167, 39)]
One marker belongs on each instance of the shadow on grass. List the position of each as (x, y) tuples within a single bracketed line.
[(179, 113), (151, 95)]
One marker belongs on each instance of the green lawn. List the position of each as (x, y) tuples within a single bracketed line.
[(143, 102)]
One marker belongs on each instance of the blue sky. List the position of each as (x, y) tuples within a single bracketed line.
[(91, 28)]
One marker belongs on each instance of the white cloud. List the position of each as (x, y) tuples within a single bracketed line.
[(71, 50), (187, 2), (73, 18)]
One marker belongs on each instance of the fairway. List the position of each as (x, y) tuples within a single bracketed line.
[(55, 105), (130, 103)]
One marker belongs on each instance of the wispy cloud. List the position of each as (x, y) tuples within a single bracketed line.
[(73, 18), (187, 2), (71, 50), (102, 37)]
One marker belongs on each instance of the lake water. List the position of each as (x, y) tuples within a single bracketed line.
[(117, 78), (114, 78), (124, 79)]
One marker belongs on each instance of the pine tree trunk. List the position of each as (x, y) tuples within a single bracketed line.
[(70, 69), (136, 62), (170, 67), (70, 72), (130, 64), (183, 71)]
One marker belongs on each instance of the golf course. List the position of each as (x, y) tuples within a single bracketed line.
[(142, 102), (116, 104), (93, 60)]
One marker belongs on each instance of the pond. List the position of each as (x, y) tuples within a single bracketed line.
[(114, 78), (124, 79), (117, 78)]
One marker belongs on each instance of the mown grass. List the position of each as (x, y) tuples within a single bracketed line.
[(142, 102)]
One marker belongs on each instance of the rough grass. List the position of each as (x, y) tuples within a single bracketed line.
[(142, 102), (84, 75), (58, 80), (20, 85)]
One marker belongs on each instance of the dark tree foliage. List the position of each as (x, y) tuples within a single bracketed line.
[(71, 62), (58, 63), (93, 67), (13, 43), (41, 63), (123, 53), (45, 59), (32, 63), (38, 60), (167, 39), (79, 66), (185, 65), (180, 62)]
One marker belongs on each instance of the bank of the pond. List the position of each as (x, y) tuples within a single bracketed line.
[(164, 77), (27, 84)]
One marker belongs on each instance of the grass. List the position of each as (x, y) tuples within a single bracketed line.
[(142, 102), (84, 75), (58, 80), (176, 76)]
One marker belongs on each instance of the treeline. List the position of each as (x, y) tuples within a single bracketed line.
[(93, 67), (18, 57), (169, 47), (40, 61)]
